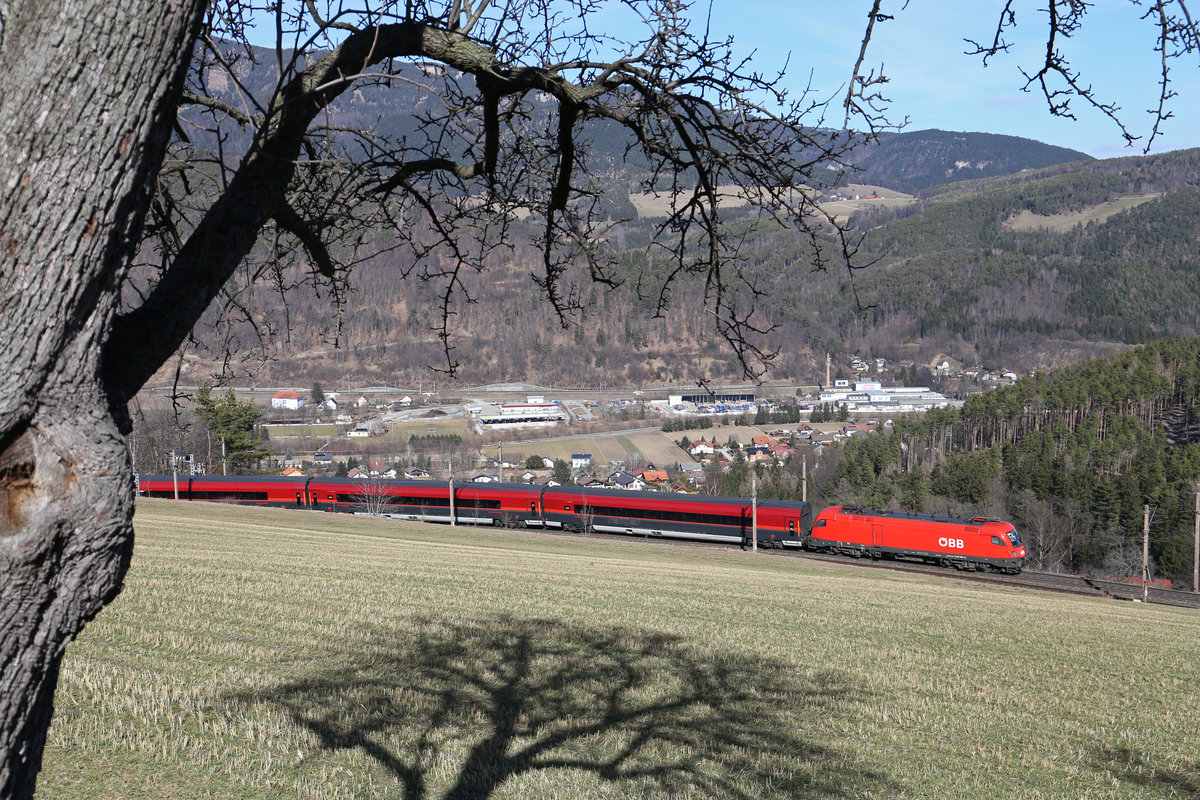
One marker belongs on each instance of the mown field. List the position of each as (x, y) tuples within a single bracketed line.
[(266, 654), (1062, 223), (658, 204), (650, 446)]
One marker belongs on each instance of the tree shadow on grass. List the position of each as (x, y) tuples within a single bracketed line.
[(641, 714), (1179, 780)]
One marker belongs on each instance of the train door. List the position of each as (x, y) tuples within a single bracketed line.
[(876, 535)]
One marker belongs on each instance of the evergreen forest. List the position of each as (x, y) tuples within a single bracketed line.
[(1071, 457)]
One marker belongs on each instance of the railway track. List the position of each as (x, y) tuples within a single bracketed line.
[(1041, 581)]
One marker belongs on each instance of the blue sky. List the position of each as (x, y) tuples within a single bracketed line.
[(936, 86)]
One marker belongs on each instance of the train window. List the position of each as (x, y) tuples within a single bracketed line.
[(625, 512), (996, 540), (225, 495), (476, 502), (819, 523), (792, 525), (1014, 537)]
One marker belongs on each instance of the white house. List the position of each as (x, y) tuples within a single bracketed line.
[(292, 401)]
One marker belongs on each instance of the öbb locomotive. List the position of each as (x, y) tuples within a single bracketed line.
[(965, 544)]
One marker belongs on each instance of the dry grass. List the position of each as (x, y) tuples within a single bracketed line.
[(658, 448), (657, 204), (324, 430), (653, 447), (1062, 223), (429, 426), (264, 654)]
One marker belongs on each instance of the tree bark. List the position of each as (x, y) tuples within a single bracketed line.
[(86, 111)]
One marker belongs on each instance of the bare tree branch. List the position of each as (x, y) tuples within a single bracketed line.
[(1059, 83)]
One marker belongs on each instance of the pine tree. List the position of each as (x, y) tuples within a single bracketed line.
[(562, 472), (231, 423)]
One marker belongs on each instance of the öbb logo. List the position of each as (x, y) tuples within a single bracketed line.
[(951, 543)]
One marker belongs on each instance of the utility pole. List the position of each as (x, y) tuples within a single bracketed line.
[(804, 480), (753, 510), (175, 470), (1145, 553), (500, 461), (453, 518)]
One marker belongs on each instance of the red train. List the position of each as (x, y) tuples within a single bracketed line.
[(966, 544), (973, 544), (781, 523)]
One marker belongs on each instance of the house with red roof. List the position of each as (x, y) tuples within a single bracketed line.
[(652, 475), (292, 401)]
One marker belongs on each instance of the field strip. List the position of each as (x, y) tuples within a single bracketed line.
[(274, 653)]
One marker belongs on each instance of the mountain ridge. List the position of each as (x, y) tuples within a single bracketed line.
[(952, 275), (911, 161)]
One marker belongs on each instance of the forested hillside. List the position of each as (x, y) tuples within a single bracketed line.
[(945, 275), (915, 160), (1070, 456), (1024, 272), (1097, 252)]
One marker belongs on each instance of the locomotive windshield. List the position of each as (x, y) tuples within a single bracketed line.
[(1014, 537)]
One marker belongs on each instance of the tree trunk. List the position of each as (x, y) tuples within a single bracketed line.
[(85, 115)]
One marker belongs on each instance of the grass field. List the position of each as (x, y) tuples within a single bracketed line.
[(653, 446), (438, 426), (267, 654), (1062, 223), (324, 429), (658, 204), (605, 447)]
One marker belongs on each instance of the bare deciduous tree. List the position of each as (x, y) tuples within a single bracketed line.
[(104, 176), (372, 497)]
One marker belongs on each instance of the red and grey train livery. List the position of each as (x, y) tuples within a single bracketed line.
[(970, 544), (731, 520), (963, 543)]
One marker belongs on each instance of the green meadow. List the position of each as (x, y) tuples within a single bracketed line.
[(265, 654)]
